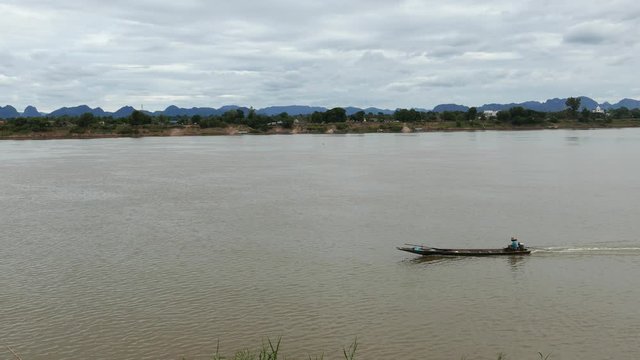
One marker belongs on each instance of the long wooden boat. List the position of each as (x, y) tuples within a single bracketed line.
[(427, 251)]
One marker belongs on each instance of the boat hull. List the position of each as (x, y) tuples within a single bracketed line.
[(429, 251)]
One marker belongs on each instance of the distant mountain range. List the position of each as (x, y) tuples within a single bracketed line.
[(551, 105), (9, 112)]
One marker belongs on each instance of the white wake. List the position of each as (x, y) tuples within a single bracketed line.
[(588, 250)]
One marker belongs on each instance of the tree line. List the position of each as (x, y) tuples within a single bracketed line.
[(515, 116)]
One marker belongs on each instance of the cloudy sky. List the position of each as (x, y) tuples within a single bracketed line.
[(404, 53)]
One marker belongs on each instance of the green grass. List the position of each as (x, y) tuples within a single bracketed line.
[(270, 350)]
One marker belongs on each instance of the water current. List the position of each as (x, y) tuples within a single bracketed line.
[(158, 248)]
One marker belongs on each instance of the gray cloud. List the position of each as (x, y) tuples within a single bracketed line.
[(594, 32), (585, 37), (330, 53)]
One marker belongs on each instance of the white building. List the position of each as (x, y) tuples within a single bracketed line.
[(490, 113), (598, 110)]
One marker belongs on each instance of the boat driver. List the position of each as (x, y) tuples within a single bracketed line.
[(514, 243)]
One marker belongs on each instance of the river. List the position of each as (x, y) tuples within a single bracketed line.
[(158, 248)]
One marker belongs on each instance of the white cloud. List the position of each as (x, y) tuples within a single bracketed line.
[(7, 80), (409, 53)]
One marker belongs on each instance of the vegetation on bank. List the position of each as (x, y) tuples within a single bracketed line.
[(271, 351), (331, 121)]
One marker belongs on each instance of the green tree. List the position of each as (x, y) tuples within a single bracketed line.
[(472, 113), (621, 113), (358, 116), (573, 104), (196, 119), (335, 115), (285, 120), (252, 114), (404, 115), (448, 116), (503, 116), (585, 114), (139, 118), (163, 120), (233, 116), (317, 117), (430, 116), (85, 120), (518, 113)]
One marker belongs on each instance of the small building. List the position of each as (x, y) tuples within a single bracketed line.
[(598, 110), (490, 113)]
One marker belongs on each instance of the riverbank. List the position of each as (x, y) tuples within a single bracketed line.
[(331, 128)]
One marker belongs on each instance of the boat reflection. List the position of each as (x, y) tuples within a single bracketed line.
[(435, 259), (516, 261)]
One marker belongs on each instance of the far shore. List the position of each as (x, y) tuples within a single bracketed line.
[(339, 128)]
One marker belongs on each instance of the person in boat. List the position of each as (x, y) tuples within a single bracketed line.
[(514, 243)]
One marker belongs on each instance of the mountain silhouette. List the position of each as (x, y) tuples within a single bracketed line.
[(78, 110), (550, 105), (8, 112), (30, 111)]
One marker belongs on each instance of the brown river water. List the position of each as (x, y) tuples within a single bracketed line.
[(158, 248)]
